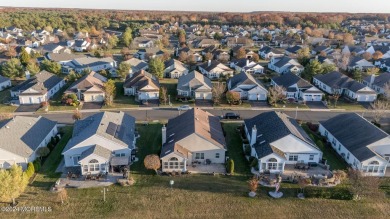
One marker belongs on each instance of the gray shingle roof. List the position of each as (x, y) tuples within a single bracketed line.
[(97, 150), (380, 80), (272, 126), (244, 78), (289, 79), (3, 79), (99, 124), (356, 139), (142, 79), (22, 135), (194, 80), (338, 80), (41, 82)]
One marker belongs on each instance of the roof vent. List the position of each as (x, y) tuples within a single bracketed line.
[(7, 126), (260, 135), (262, 142), (170, 141)]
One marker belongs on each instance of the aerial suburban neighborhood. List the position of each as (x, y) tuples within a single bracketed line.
[(171, 113)]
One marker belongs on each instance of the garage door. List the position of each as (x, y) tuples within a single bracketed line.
[(312, 97), (365, 98)]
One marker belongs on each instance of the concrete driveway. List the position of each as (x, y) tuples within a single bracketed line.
[(204, 103), (316, 105), (28, 108), (92, 105), (261, 104)]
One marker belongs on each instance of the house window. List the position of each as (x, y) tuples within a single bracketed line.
[(199, 156), (103, 167), (217, 155), (334, 141), (348, 155), (293, 158), (120, 154), (93, 165), (173, 163), (339, 147), (76, 160), (326, 133), (311, 157), (272, 164), (85, 168), (166, 165)]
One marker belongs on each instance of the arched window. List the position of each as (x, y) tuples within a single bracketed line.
[(272, 160), (173, 159), (93, 161), (374, 162), (93, 165)]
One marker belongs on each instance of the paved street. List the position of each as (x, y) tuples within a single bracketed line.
[(165, 114)]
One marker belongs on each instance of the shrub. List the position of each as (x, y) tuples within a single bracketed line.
[(230, 166), (30, 170), (254, 163), (37, 165), (53, 141), (57, 138), (50, 146), (312, 127), (247, 150), (329, 193), (320, 144), (311, 136)]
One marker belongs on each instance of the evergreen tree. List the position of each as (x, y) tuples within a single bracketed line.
[(24, 57), (127, 37), (156, 67)]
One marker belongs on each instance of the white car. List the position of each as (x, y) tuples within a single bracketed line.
[(184, 108)]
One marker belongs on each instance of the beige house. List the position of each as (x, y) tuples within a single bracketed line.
[(89, 88), (195, 136), (142, 85)]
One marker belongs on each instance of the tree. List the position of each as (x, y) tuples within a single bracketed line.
[(240, 53), (218, 36), (307, 30), (379, 108), (12, 69), (233, 97), (357, 74), (123, 69), (377, 55), (208, 56), (183, 56), (50, 66), (303, 182), (13, 183), (348, 39), (253, 184), (33, 68), (303, 55), (386, 91), (230, 166), (164, 95), (156, 67), (165, 42), (275, 95), (24, 57), (182, 37), (62, 195), (127, 37), (311, 69), (267, 37), (11, 52), (217, 92), (30, 169), (336, 96), (152, 162), (363, 186), (113, 41), (125, 53), (255, 57), (327, 67), (367, 56), (43, 152), (109, 91), (77, 115)]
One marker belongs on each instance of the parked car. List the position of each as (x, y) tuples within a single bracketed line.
[(184, 108), (232, 116)]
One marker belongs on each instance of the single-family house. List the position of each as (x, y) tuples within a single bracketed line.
[(203, 43), (239, 41), (249, 87), (338, 83), (359, 63), (142, 85), (37, 89), (89, 88), (136, 65), (297, 88), (148, 53), (81, 45), (267, 52), (195, 85), (293, 50), (247, 66), (91, 64), (101, 143), (357, 50), (142, 42), (215, 69), (191, 139), (174, 68), (4, 83), (277, 140), (378, 83), (284, 64), (363, 146), (21, 137)]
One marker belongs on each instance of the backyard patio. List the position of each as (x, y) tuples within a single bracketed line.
[(80, 182), (210, 168)]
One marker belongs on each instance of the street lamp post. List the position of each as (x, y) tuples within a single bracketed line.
[(296, 112), (169, 100), (104, 194), (171, 182)]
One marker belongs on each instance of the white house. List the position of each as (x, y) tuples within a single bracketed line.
[(21, 137), (338, 83), (136, 65), (80, 45), (267, 52), (215, 69), (363, 146), (37, 89), (174, 68), (283, 65), (248, 87), (195, 85), (90, 63), (142, 85), (247, 66), (377, 83), (4, 83), (297, 88), (277, 140), (89, 88), (359, 63), (100, 143), (194, 138)]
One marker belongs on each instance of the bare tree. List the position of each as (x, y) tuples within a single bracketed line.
[(164, 95), (363, 186), (77, 115), (217, 91), (336, 96), (275, 94), (152, 162), (386, 91), (379, 108)]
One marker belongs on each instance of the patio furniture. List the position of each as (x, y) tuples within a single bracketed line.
[(208, 161)]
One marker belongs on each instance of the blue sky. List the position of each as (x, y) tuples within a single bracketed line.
[(372, 6)]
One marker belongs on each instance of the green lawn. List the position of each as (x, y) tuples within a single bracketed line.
[(192, 196), (333, 159), (292, 105), (341, 104), (120, 100), (171, 85), (5, 95)]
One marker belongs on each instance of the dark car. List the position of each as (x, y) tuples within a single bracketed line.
[(232, 116)]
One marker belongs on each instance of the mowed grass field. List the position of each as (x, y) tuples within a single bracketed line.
[(192, 196)]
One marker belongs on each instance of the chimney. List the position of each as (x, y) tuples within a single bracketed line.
[(208, 63), (254, 135), (164, 134), (247, 62), (372, 79)]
